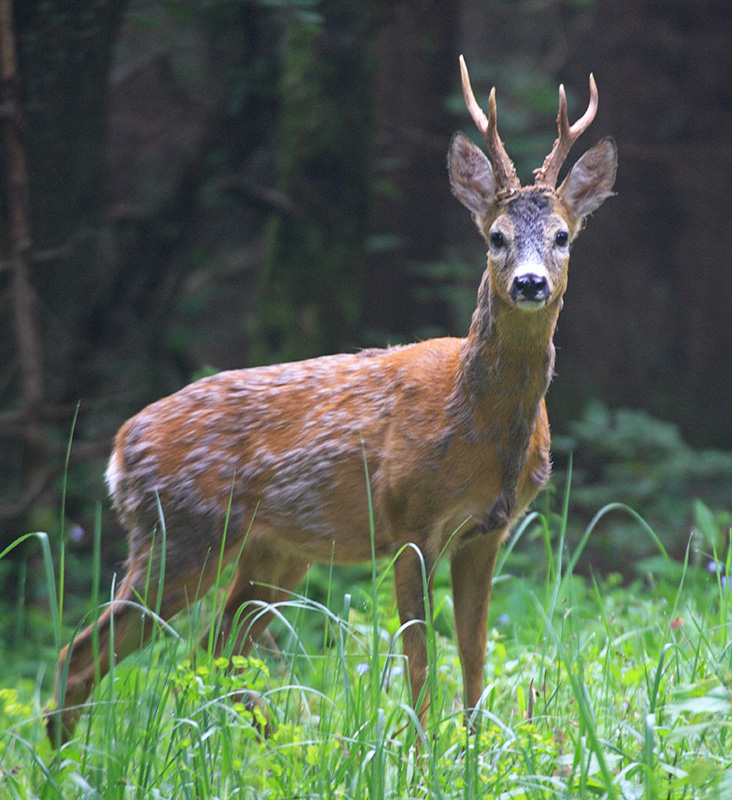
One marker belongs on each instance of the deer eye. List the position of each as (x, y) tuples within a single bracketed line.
[(497, 239), (561, 238)]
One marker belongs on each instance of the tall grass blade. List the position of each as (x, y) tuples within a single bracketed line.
[(53, 604), (62, 522)]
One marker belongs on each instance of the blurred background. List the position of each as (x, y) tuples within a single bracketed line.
[(196, 185)]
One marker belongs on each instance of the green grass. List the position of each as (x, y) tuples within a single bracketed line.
[(593, 689)]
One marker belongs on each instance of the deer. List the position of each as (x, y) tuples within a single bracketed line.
[(410, 452)]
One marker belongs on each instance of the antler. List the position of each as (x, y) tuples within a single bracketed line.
[(547, 175), (505, 172)]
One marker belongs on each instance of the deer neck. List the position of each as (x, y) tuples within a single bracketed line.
[(507, 362)]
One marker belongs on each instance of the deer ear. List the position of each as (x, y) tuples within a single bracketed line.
[(471, 175), (591, 179)]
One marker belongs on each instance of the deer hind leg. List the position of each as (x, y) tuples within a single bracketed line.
[(410, 570), (263, 577), (471, 568), (131, 626)]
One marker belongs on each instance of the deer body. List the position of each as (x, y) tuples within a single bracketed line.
[(295, 476), (452, 433)]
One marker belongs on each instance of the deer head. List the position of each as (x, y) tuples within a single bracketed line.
[(529, 229)]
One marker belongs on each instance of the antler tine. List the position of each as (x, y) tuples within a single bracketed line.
[(547, 175), (505, 172)]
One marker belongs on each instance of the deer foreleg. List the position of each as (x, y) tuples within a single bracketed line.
[(472, 575)]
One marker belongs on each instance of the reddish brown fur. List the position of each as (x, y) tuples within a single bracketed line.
[(454, 433)]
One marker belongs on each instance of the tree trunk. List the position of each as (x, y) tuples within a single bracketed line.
[(653, 282), (54, 167), (30, 430), (416, 70), (310, 283)]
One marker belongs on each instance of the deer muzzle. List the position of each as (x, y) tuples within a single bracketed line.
[(530, 291)]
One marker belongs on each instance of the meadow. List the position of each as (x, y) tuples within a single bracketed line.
[(595, 688)]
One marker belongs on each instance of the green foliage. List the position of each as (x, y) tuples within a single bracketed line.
[(451, 282), (593, 689), (629, 456)]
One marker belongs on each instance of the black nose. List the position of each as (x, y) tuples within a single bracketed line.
[(530, 289)]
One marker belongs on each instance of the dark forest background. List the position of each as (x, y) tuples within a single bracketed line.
[(194, 185)]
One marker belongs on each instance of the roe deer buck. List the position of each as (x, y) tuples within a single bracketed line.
[(454, 433)]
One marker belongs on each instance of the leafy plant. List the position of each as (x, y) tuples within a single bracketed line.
[(628, 456)]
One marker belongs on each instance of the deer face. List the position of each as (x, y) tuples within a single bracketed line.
[(528, 251), (529, 230)]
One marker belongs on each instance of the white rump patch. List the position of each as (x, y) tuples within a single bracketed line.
[(113, 474)]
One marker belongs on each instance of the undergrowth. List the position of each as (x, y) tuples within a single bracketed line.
[(594, 689)]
